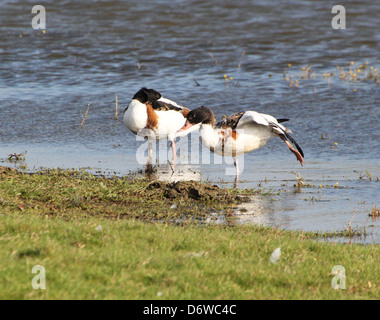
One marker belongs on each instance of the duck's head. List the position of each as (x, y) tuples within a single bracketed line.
[(145, 95), (197, 117)]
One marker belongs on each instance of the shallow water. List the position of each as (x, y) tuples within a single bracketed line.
[(95, 50)]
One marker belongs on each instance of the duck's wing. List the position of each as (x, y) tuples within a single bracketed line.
[(164, 104), (252, 118), (230, 122)]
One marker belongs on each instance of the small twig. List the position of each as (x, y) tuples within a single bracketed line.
[(349, 224), (241, 58), (196, 83), (116, 109), (212, 57), (84, 117)]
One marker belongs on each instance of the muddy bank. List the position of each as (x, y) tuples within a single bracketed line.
[(70, 194), (171, 190), (192, 190)]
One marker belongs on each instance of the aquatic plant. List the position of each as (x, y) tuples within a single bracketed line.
[(14, 157), (375, 213), (301, 184), (353, 73)]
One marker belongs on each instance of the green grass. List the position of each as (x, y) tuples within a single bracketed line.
[(129, 257)]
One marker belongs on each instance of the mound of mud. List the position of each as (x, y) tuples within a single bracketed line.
[(4, 170), (192, 190)]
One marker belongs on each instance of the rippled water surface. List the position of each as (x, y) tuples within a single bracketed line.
[(279, 57)]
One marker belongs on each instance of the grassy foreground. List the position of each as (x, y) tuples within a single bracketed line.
[(95, 240)]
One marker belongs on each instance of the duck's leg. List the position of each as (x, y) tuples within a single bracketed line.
[(149, 167), (174, 155), (236, 164), (150, 152)]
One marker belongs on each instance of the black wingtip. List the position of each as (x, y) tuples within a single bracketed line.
[(282, 120)]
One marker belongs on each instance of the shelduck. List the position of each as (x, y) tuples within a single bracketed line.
[(154, 117), (239, 133)]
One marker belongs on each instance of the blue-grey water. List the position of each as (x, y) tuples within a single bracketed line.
[(278, 57)]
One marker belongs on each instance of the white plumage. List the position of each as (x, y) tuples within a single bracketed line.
[(239, 133), (154, 117)]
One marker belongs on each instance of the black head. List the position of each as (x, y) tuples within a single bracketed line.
[(145, 95), (201, 115)]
